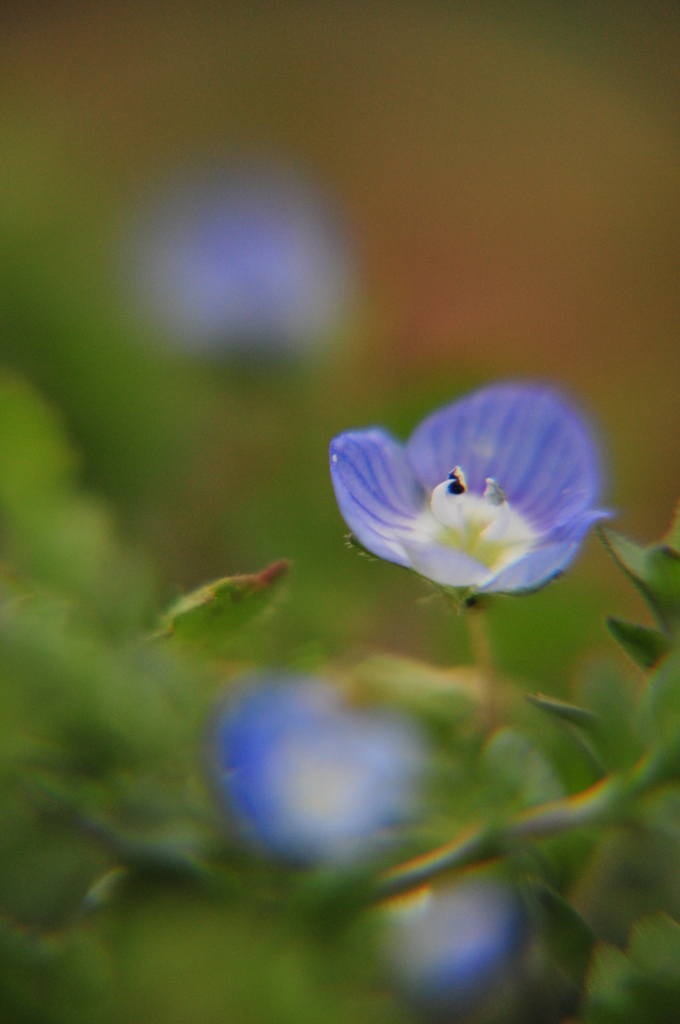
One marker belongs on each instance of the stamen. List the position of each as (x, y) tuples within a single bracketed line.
[(457, 478), (495, 495), (493, 492)]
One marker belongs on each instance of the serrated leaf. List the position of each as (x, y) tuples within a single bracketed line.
[(644, 645), (208, 617), (568, 937), (561, 709), (654, 570)]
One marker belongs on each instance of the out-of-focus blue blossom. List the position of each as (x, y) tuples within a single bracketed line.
[(494, 492), (459, 949), (309, 779), (249, 259)]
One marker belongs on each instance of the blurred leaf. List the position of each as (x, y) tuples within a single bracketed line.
[(35, 457), (560, 709), (441, 694), (208, 617), (642, 987), (655, 948), (608, 1000), (54, 533), (521, 775), (660, 704), (655, 571), (580, 724), (612, 698), (569, 939), (64, 980), (101, 708), (645, 646)]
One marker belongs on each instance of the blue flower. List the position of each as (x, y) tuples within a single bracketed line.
[(459, 948), (494, 492), (250, 258), (310, 780)]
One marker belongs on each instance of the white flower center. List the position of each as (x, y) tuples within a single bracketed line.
[(484, 526)]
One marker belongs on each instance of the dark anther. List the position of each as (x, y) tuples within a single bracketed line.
[(456, 486)]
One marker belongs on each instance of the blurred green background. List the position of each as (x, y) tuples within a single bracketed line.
[(509, 178)]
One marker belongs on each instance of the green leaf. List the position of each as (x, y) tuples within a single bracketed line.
[(569, 939), (54, 533), (660, 704), (62, 979), (642, 987), (655, 948), (655, 571), (629, 555), (645, 646), (522, 776), (440, 694), (609, 999), (663, 581), (208, 617), (612, 697), (561, 709)]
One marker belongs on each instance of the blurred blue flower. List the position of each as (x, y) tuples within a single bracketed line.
[(494, 492), (250, 259), (310, 780), (459, 949)]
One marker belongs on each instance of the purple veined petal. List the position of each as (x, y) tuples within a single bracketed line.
[(377, 491), (525, 437), (545, 562), (446, 565)]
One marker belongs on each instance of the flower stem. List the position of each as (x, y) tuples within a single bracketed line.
[(477, 621), (595, 806)]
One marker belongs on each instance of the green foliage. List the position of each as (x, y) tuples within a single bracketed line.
[(53, 532), (642, 986), (562, 710), (208, 617), (63, 979), (116, 863), (569, 940), (521, 776), (645, 646), (655, 571)]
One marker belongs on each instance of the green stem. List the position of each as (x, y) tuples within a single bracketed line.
[(595, 806), (608, 801), (480, 644)]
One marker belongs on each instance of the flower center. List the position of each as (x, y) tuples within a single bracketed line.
[(481, 525)]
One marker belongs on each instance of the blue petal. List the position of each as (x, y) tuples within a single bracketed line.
[(542, 564), (445, 565), (525, 437), (377, 491)]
